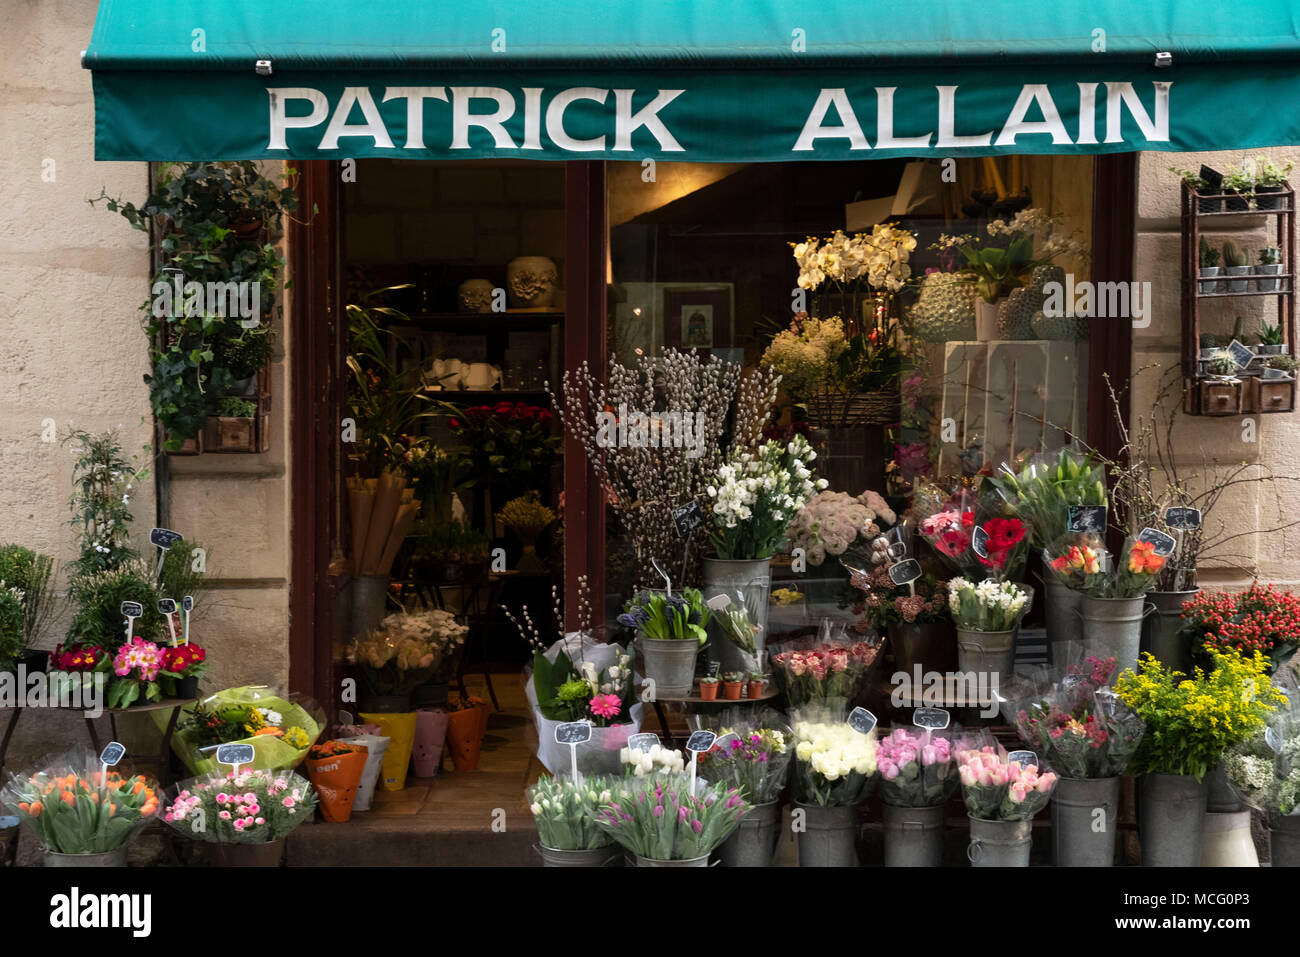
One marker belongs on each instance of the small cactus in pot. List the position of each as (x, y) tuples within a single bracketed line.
[(1235, 263), (1270, 264)]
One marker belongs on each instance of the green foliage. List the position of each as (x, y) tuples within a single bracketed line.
[(1209, 255), (1233, 255), (236, 407), (102, 480), (1195, 181), (12, 643), (98, 597), (454, 542), (181, 578), (1270, 335), (1222, 364), (33, 575), (997, 271), (1270, 256)]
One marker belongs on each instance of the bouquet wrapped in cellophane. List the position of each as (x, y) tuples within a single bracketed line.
[(565, 811), (659, 819), (1042, 489), (834, 764), (248, 806), (916, 767), (1265, 770), (1073, 719), (279, 726), (830, 673), (757, 760), (996, 789), (72, 807)]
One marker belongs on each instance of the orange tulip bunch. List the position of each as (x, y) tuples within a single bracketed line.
[(78, 811)]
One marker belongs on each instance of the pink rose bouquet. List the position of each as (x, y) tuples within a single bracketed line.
[(916, 769), (823, 673), (996, 789)]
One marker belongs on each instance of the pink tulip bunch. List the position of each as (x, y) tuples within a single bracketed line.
[(996, 789)]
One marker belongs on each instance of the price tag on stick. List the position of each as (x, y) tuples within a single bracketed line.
[(1163, 542), (163, 538), (697, 743), (1086, 518), (1183, 517), (932, 719), (979, 541), (187, 603), (688, 518), (235, 755), (131, 610), (1024, 758), (642, 741), (108, 758), (862, 721), (906, 573), (167, 608), (573, 733)]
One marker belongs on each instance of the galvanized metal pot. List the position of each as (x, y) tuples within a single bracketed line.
[(1284, 841), (1061, 607), (670, 664), (829, 836), (913, 836), (690, 862), (369, 602), (608, 856), (1171, 820), (1220, 798), (987, 652), (1082, 837), (932, 646), (752, 578), (999, 843), (1112, 627), (1160, 635), (115, 858), (753, 843)]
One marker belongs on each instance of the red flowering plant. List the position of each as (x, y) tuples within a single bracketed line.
[(505, 440), (1261, 618), (182, 661), (75, 657)]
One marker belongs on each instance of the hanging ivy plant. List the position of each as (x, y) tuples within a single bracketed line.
[(212, 303)]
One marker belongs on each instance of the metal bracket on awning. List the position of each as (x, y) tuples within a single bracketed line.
[(1164, 59), (263, 67)]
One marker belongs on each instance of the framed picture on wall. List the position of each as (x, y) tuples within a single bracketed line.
[(698, 316)]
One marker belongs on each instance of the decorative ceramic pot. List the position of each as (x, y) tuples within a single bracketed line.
[(531, 281), (475, 295)]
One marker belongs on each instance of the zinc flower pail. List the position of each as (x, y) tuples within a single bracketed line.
[(116, 858), (1284, 841), (670, 664), (1227, 841), (1061, 612), (987, 652), (689, 862), (753, 843), (931, 645), (608, 856), (753, 579), (1161, 632), (1083, 822), (999, 843), (1112, 627), (913, 836), (266, 854), (369, 602), (829, 837), (1171, 820), (1219, 794)]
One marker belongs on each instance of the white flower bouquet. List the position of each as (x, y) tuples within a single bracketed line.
[(755, 497), (1265, 770), (565, 812), (989, 605), (834, 764)]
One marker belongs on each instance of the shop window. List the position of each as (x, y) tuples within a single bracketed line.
[(941, 386)]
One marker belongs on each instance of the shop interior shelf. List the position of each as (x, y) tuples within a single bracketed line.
[(479, 395)]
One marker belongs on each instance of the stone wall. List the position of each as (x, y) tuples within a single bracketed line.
[(1268, 441)]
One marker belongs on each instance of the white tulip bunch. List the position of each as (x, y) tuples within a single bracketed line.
[(656, 760)]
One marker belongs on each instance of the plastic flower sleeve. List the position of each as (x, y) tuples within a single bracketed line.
[(757, 761), (565, 811), (71, 807), (280, 727), (255, 806), (1077, 560), (996, 789), (1042, 489), (657, 818), (833, 764), (829, 674), (916, 767)]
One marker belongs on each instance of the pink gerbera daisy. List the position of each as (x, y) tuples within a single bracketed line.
[(606, 706)]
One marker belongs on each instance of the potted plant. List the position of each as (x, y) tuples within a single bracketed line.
[(709, 687), (754, 687), (232, 426), (670, 630), (1002, 797), (1198, 184), (755, 762), (1209, 268), (466, 725), (1261, 618), (334, 769), (1267, 775), (80, 816), (663, 824), (1239, 189), (987, 616), (733, 683), (1235, 263), (834, 769), (1191, 721), (917, 775), (1269, 181), (216, 810), (1280, 367), (1270, 264), (1089, 739), (26, 578), (565, 811), (1222, 365)]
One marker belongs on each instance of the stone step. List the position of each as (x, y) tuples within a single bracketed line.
[(409, 842)]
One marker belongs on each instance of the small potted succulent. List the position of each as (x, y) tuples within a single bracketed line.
[(1280, 367), (1235, 263), (732, 684), (709, 688), (754, 688), (1270, 180), (1270, 341), (1200, 185), (1270, 264), (1239, 188), (1209, 268), (1222, 366)]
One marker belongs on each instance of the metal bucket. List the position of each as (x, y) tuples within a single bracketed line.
[(607, 856), (1220, 798), (754, 842), (1061, 606), (115, 858), (829, 836), (931, 646), (991, 652), (999, 843), (1171, 820), (1161, 637), (1112, 627), (369, 602), (670, 664), (689, 862), (913, 836), (1076, 840), (1284, 841), (752, 578), (267, 854)]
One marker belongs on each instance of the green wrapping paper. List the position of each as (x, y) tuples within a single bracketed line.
[(270, 752)]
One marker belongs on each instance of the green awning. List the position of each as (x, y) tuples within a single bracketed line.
[(690, 80)]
